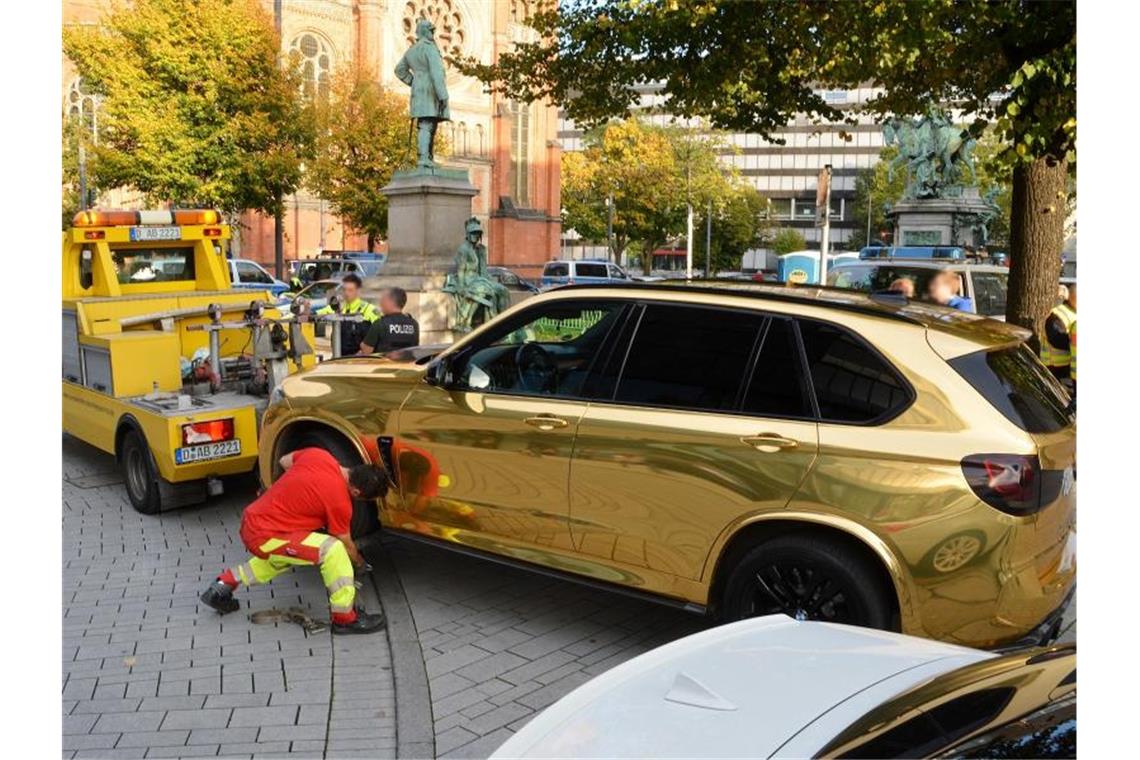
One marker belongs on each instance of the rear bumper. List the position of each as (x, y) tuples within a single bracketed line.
[(1045, 632)]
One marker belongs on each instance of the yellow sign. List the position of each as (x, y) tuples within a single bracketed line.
[(798, 276)]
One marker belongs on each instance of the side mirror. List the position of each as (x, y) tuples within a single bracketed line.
[(438, 373)]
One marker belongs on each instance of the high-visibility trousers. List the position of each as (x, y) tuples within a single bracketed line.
[(275, 555)]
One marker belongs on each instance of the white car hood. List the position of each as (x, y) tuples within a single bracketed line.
[(739, 690)]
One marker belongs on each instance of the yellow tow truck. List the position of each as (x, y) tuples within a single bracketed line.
[(165, 366)]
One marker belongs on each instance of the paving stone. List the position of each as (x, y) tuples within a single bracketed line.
[(122, 722), (197, 750), (216, 736), (196, 719), (285, 715), (153, 739)]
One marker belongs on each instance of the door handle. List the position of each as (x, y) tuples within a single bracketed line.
[(546, 422), (769, 443)]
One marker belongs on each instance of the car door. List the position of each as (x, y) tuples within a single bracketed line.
[(989, 289), (483, 457), (708, 421)]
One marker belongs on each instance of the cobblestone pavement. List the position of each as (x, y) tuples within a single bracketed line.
[(473, 650), (149, 672)]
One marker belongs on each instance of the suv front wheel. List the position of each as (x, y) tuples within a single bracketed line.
[(807, 577)]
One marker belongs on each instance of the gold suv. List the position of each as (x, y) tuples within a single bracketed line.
[(734, 448)]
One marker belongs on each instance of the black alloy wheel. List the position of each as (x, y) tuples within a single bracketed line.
[(807, 577)]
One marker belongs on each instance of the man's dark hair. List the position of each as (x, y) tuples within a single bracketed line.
[(370, 479), (353, 278), (399, 296)]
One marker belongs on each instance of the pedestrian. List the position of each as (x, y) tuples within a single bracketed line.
[(285, 527), (945, 289), (904, 286), (1059, 351), (352, 332), (394, 329)]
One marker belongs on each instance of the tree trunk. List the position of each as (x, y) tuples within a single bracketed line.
[(1037, 234), (371, 242)]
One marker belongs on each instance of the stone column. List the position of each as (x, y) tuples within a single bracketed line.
[(426, 212)]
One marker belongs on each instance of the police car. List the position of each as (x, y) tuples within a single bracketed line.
[(984, 284)]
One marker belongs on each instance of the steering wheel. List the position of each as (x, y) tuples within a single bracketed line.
[(537, 371)]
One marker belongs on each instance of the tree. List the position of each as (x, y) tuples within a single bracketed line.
[(739, 223), (788, 240), (876, 187), (755, 66), (362, 138), (195, 106), (651, 172)]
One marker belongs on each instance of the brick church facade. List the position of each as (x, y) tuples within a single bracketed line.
[(510, 150)]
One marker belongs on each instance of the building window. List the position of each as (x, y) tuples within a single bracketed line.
[(449, 31), (520, 153), (83, 106), (479, 140), (316, 62), (461, 139)]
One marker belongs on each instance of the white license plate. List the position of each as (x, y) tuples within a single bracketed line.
[(156, 233), (206, 451)]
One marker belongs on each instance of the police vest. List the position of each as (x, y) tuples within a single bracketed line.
[(352, 333), (1056, 357)]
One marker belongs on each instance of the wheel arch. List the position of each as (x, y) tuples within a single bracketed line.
[(127, 423), (290, 436), (757, 528)]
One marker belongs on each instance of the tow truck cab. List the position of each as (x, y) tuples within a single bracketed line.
[(143, 292)]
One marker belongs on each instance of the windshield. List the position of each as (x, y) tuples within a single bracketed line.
[(870, 279), (319, 290), (153, 264)]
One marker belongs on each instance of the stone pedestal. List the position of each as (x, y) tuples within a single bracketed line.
[(940, 221), (426, 212)]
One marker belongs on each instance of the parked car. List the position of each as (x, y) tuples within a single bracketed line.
[(735, 448), (334, 267), (984, 284), (249, 275), (317, 294), (510, 280), (581, 272), (774, 687)]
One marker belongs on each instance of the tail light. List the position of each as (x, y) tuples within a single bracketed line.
[(212, 232), (1009, 482), (213, 431)]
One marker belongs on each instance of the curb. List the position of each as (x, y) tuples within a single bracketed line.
[(415, 726)]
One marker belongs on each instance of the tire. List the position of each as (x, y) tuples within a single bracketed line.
[(140, 475), (785, 575), (365, 515), (954, 553)]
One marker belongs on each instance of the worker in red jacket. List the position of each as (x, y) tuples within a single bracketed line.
[(283, 528)]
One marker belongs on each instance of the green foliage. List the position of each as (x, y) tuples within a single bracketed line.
[(195, 109), (362, 138), (652, 173), (876, 186), (739, 223), (788, 240)]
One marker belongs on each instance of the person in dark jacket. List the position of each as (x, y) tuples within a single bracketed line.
[(394, 329)]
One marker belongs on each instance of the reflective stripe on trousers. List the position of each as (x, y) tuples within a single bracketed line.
[(282, 554)]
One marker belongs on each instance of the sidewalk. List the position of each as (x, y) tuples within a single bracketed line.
[(149, 672)]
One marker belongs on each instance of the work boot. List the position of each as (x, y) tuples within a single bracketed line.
[(365, 622), (220, 597)]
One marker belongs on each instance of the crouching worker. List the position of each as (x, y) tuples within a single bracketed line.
[(280, 529)]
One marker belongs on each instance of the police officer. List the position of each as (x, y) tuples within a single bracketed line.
[(352, 332), (395, 329), (1059, 351)]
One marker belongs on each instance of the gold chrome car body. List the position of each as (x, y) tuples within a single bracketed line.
[(655, 499)]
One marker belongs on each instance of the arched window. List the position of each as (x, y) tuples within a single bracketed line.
[(479, 140), (83, 106), (461, 145), (450, 33), (316, 61)]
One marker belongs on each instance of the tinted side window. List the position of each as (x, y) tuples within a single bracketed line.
[(990, 292), (777, 388), (852, 383), (689, 357), (1017, 384), (590, 270), (556, 270)]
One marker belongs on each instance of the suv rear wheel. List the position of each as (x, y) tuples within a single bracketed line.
[(807, 577)]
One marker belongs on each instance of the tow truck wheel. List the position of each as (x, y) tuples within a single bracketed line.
[(139, 474)]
